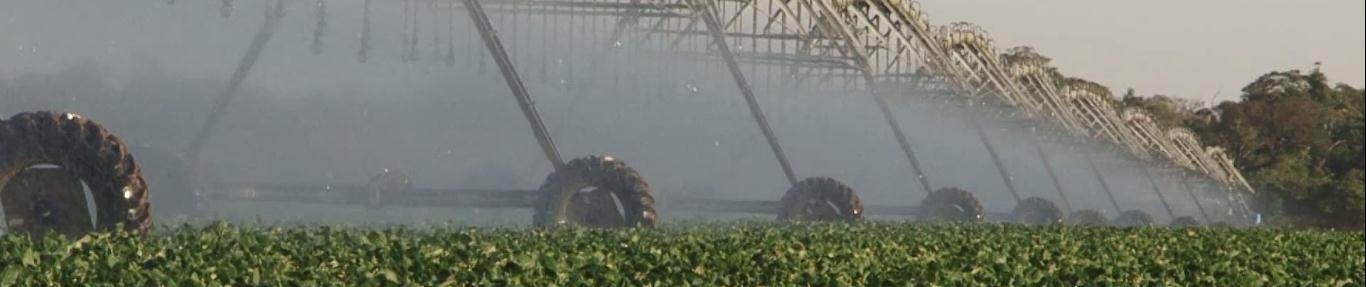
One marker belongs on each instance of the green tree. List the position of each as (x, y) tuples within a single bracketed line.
[(1299, 140), (1165, 110)]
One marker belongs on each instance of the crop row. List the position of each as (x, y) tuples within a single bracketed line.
[(733, 254)]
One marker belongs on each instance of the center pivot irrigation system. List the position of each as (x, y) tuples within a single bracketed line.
[(884, 49)]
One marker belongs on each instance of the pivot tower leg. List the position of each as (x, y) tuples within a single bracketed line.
[(514, 82), (1158, 190), (1052, 175), (714, 29), (225, 96), (1104, 185), (995, 158), (1201, 206)]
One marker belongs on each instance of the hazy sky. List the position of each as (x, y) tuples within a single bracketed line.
[(1191, 49)]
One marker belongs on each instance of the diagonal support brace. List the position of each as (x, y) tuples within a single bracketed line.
[(514, 82), (1104, 185), (714, 28), (1157, 189), (1052, 175)]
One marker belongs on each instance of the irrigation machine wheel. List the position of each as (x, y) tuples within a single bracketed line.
[(42, 199), (596, 191), (951, 204), (1185, 221), (1087, 217), (1037, 211), (820, 199), (85, 150), (1134, 218)]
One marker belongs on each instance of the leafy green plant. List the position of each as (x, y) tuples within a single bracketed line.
[(732, 254)]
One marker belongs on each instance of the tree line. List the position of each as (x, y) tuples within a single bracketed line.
[(1296, 137)]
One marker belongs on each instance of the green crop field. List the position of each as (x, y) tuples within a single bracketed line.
[(705, 254)]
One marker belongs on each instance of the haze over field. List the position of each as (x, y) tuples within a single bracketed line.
[(149, 71)]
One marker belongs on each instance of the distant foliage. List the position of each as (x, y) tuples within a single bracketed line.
[(745, 254), (1165, 110), (1297, 138)]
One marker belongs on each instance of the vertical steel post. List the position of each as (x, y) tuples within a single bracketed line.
[(1104, 185), (995, 158), (226, 95), (514, 82), (714, 29), (1052, 175), (1158, 190)]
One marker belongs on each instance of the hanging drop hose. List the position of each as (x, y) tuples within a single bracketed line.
[(320, 29), (363, 55), (514, 82), (406, 54), (450, 35), (436, 36), (412, 37), (714, 27)]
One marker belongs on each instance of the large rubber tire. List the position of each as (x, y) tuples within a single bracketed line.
[(42, 200), (1037, 211), (951, 204), (597, 208), (563, 198), (86, 150), (1087, 217), (820, 199), (1134, 218), (1185, 222)]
